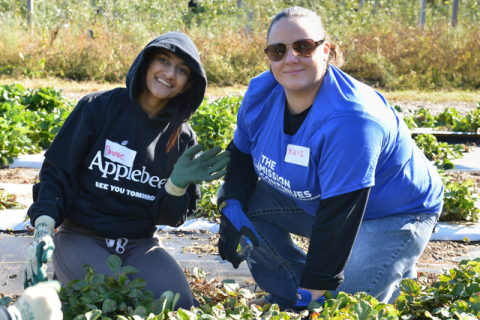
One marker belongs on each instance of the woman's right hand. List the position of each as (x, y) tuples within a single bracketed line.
[(206, 167), (39, 252)]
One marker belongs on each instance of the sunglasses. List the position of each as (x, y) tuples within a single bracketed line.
[(302, 48)]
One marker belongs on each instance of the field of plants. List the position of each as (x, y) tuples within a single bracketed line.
[(383, 45), (30, 118), (381, 40), (455, 296)]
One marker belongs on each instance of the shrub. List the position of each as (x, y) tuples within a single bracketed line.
[(29, 119)]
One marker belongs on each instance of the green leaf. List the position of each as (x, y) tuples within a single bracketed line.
[(80, 284), (129, 269), (363, 310), (246, 293), (409, 286), (97, 279), (93, 315), (109, 305), (137, 283), (231, 288), (114, 263)]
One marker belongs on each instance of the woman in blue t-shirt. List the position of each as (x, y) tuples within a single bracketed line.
[(323, 156)]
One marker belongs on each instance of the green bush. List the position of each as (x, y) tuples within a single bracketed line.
[(459, 201), (216, 122), (29, 119)]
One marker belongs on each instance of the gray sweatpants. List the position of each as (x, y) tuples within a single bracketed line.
[(76, 246)]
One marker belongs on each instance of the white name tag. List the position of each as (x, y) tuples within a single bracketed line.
[(297, 155), (119, 153)]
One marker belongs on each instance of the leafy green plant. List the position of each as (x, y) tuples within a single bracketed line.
[(455, 296), (113, 297), (347, 306), (469, 123), (448, 117), (459, 201), (440, 152), (216, 122), (110, 296), (422, 118), (208, 202), (29, 119)]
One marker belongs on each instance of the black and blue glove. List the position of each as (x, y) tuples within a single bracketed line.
[(233, 224), (304, 297)]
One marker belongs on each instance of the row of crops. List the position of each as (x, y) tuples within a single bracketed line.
[(30, 119)]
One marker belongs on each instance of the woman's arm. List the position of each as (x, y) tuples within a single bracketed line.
[(337, 222), (54, 194)]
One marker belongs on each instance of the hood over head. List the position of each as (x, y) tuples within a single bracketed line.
[(180, 44)]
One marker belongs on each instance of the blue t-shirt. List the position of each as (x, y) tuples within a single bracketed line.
[(351, 139)]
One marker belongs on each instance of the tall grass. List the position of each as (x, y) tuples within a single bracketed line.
[(381, 41)]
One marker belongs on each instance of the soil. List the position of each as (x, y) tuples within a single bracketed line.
[(19, 175), (436, 107)]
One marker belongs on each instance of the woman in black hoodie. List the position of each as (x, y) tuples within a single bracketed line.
[(120, 166)]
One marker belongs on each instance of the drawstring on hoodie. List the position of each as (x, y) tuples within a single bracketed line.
[(120, 246)]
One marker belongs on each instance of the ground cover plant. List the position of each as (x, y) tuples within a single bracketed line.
[(29, 119), (381, 39), (455, 296)]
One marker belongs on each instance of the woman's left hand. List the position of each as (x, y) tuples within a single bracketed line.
[(206, 167)]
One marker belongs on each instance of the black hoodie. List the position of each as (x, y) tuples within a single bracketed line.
[(107, 167)]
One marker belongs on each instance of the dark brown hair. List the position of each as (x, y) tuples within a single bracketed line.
[(179, 109), (335, 56)]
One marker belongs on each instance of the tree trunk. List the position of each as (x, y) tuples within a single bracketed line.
[(455, 13), (423, 8), (30, 13)]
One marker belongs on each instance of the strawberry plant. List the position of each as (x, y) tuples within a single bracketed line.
[(440, 152), (423, 118), (459, 201), (113, 297), (215, 122), (455, 296), (29, 119), (208, 202), (469, 123)]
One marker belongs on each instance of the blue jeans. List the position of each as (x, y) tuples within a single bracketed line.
[(385, 250)]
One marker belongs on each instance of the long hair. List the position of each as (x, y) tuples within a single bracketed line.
[(179, 109), (335, 56)]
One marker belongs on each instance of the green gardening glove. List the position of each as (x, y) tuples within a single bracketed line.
[(39, 252), (206, 167)]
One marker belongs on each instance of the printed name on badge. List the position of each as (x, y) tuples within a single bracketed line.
[(297, 155), (119, 153)]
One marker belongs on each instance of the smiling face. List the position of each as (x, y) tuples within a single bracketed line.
[(167, 77), (298, 75)]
